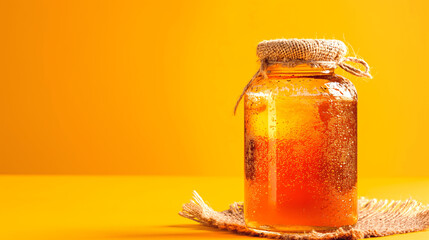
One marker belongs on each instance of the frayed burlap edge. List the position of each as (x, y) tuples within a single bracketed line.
[(377, 218)]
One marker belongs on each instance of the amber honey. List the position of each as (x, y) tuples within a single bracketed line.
[(300, 151)]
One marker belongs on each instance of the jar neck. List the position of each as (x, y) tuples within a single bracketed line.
[(278, 69)]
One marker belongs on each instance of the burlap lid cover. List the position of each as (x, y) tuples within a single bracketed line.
[(286, 50), (314, 52)]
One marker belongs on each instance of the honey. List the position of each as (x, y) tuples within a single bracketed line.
[(300, 150)]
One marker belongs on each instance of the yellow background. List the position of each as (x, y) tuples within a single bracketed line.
[(148, 87)]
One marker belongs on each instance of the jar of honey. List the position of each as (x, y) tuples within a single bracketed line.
[(301, 138)]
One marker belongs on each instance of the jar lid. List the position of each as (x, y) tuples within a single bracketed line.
[(314, 52), (285, 50)]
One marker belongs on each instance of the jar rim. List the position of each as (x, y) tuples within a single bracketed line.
[(303, 68)]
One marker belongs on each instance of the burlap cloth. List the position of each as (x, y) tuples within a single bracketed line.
[(377, 218)]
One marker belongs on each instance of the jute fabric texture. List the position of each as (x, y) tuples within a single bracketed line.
[(377, 218)]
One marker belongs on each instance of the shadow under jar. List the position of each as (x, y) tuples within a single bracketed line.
[(300, 150)]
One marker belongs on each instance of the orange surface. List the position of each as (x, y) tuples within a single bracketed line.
[(89, 207), (148, 87)]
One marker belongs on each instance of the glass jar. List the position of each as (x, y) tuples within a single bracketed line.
[(300, 150)]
